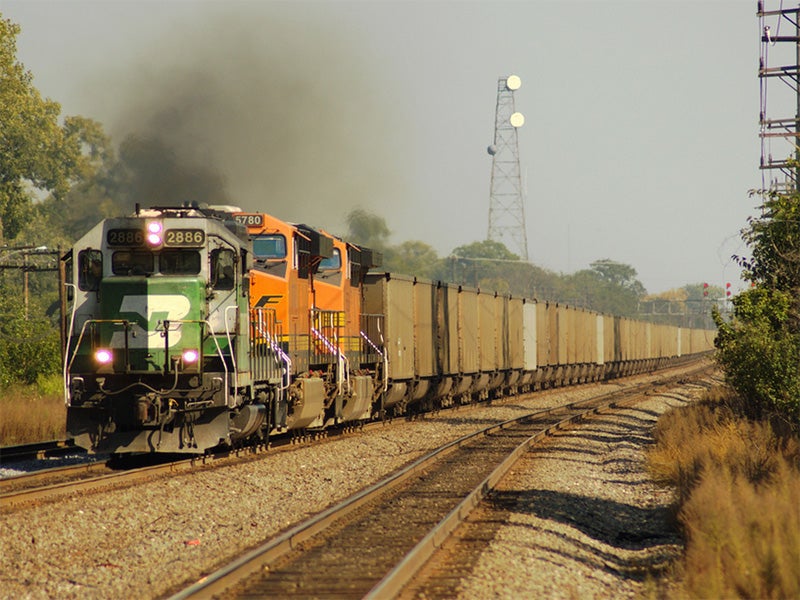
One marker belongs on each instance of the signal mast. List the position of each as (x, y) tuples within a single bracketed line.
[(780, 45)]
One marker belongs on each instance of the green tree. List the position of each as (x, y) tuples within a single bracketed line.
[(620, 275), (487, 249), (367, 229), (37, 155), (760, 345), (608, 287), (42, 164), (483, 264), (759, 351), (412, 258), (29, 344)]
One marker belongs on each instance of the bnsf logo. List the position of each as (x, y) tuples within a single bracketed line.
[(148, 311)]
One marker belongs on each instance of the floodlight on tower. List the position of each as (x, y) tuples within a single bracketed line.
[(513, 82)]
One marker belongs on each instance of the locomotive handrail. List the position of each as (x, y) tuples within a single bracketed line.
[(343, 374), (384, 355), (65, 368), (333, 347), (166, 324), (213, 334), (124, 322), (263, 330), (233, 354)]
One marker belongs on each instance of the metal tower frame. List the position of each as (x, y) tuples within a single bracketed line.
[(506, 198), (785, 51)]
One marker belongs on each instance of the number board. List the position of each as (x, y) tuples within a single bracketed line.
[(184, 238), (125, 237), (250, 219)]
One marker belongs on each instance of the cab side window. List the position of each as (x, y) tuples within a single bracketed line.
[(90, 270), (223, 273), (332, 263)]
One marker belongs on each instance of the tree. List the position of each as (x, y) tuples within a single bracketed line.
[(367, 229), (37, 155), (760, 345), (774, 240), (42, 163), (619, 274), (608, 287), (488, 249), (412, 258), (485, 264)]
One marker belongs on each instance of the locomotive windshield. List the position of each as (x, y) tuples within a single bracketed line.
[(132, 262), (269, 246), (179, 262)]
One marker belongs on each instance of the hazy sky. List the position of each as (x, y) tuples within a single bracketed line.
[(640, 141)]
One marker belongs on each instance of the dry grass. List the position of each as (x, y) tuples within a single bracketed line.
[(738, 484), (32, 413)]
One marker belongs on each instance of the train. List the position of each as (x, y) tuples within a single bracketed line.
[(186, 328)]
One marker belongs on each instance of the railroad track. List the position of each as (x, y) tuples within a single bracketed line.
[(38, 451), (47, 485), (372, 544)]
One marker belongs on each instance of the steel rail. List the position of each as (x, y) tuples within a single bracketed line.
[(397, 579), (37, 450), (16, 497), (257, 559)]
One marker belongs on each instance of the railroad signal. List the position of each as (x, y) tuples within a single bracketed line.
[(705, 290), (728, 289)]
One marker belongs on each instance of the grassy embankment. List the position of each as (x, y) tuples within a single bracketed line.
[(738, 499), (32, 413)]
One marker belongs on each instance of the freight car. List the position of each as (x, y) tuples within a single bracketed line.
[(186, 328)]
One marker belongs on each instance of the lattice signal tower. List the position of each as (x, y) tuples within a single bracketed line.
[(779, 82), (506, 198)]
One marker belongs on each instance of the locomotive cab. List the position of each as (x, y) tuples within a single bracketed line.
[(156, 353), (285, 257)]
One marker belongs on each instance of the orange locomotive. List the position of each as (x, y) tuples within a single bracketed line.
[(305, 298)]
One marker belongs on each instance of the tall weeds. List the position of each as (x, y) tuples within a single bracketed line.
[(738, 500), (32, 413)]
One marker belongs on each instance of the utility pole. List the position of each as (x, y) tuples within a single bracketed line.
[(779, 63), (506, 198), (28, 259)]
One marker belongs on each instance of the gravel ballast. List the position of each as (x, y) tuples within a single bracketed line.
[(147, 540), (584, 520)]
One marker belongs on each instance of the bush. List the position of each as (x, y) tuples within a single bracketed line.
[(758, 350), (29, 348), (737, 485)]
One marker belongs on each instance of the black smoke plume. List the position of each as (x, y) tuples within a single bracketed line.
[(260, 109)]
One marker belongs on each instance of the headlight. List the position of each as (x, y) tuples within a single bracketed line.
[(103, 356), (154, 231), (190, 356)]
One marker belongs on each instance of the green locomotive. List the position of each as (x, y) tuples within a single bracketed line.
[(157, 335)]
